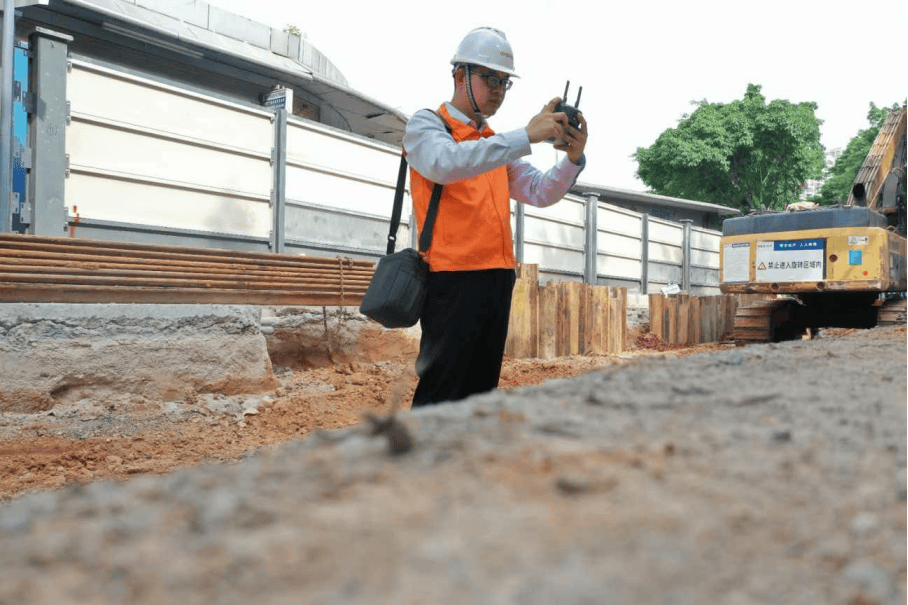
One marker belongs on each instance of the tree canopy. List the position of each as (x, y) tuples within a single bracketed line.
[(846, 167), (744, 154)]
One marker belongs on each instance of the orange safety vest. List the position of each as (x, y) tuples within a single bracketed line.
[(473, 227)]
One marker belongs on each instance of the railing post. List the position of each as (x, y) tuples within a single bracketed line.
[(591, 227), (644, 254), (48, 116), (279, 186), (519, 217), (685, 261)]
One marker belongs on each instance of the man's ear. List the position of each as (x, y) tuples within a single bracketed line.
[(459, 75)]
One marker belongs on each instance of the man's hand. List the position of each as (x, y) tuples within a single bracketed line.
[(574, 138), (547, 124)]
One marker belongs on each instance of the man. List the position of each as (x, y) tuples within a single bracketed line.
[(471, 260)]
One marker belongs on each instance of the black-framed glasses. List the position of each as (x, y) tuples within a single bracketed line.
[(494, 81)]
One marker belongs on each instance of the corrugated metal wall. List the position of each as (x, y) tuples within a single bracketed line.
[(162, 157), (152, 162)]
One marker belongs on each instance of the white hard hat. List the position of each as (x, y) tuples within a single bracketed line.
[(488, 47)]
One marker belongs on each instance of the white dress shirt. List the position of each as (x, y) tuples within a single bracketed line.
[(433, 153)]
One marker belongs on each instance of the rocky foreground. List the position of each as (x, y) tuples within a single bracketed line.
[(771, 474)]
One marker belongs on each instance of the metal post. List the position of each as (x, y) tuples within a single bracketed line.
[(48, 115), (590, 274), (6, 115), (519, 217), (644, 254), (685, 261), (279, 187)]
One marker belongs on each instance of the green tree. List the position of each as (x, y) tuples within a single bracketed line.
[(744, 154), (842, 175)]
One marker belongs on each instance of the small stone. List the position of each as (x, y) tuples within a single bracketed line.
[(15, 517), (733, 359), (863, 524), (114, 460), (873, 581), (781, 437), (572, 484)]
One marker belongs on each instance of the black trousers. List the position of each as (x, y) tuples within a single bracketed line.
[(464, 327)]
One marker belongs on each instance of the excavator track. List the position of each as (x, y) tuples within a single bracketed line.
[(892, 313), (765, 321)]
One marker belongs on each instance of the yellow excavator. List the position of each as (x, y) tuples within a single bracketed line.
[(833, 266)]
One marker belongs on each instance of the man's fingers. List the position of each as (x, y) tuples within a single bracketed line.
[(550, 106)]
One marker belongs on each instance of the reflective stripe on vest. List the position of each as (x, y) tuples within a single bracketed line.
[(473, 228)]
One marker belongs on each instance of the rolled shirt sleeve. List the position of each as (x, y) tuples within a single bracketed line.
[(531, 186)]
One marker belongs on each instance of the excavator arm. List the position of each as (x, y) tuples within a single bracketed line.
[(883, 168)]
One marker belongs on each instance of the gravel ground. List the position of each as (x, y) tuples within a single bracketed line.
[(761, 475)]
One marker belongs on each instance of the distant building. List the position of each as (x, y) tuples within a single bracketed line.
[(675, 209), (812, 186)]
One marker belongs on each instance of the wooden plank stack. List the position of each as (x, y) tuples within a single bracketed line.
[(686, 319), (69, 270), (565, 318)]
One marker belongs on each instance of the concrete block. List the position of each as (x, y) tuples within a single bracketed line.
[(293, 49), (307, 337), (280, 42), (158, 351), (189, 11), (307, 55), (239, 28)]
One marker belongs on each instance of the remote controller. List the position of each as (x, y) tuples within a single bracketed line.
[(568, 110)]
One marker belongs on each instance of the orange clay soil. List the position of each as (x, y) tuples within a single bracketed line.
[(46, 451)]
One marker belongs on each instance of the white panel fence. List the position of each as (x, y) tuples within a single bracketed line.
[(152, 162)]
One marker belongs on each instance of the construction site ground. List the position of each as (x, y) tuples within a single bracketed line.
[(94, 433), (769, 473)]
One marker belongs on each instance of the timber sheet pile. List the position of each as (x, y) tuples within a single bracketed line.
[(67, 270)]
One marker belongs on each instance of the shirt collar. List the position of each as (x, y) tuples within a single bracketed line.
[(461, 116)]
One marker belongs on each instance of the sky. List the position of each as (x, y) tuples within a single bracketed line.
[(640, 63)]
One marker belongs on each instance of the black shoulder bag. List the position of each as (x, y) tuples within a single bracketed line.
[(397, 290)]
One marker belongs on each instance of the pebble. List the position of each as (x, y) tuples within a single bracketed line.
[(873, 581), (781, 437), (732, 359), (15, 518), (863, 524), (572, 484)]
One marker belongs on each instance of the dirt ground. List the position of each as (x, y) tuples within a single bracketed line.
[(91, 434), (760, 475)]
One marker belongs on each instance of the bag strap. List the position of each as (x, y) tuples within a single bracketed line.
[(425, 237)]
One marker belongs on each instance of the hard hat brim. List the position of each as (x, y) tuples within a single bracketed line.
[(458, 61)]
